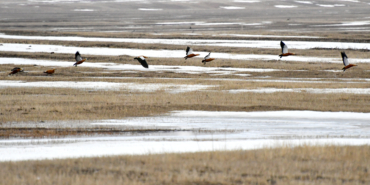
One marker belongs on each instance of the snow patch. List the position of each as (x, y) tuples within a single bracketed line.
[(232, 7), (149, 9), (172, 88), (250, 130), (83, 10), (246, 1), (304, 2), (211, 42), (330, 5), (285, 6)]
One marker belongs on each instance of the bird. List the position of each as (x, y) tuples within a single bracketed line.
[(207, 58), (49, 72), (189, 53), (142, 61), (284, 50), (347, 65), (16, 70), (79, 59)]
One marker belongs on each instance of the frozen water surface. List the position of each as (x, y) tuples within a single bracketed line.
[(232, 7), (285, 6), (129, 67), (148, 87), (161, 53), (304, 2), (211, 42), (225, 131)]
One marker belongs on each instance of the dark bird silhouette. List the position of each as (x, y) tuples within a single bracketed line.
[(347, 65), (16, 70), (284, 50), (142, 61), (78, 59)]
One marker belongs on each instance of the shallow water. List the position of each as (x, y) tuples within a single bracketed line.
[(226, 131)]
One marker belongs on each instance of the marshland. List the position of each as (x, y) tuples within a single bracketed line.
[(248, 117)]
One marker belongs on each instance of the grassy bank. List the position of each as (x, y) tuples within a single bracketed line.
[(286, 165)]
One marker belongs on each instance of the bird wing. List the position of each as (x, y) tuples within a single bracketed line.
[(189, 51), (78, 57), (208, 56), (345, 59), (143, 62), (16, 69), (284, 47)]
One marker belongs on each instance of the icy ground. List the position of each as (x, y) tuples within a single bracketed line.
[(201, 131), (161, 53), (209, 42)]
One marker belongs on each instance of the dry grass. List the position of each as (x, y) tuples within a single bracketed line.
[(285, 165), (40, 104), (41, 132)]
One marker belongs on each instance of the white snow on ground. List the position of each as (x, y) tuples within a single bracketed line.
[(267, 36), (214, 23), (206, 42), (180, 23), (83, 10), (246, 130), (354, 1), (246, 1), (285, 6), (161, 53), (304, 2), (148, 87), (263, 80), (353, 23), (307, 90), (129, 67), (149, 9), (330, 5), (232, 7)]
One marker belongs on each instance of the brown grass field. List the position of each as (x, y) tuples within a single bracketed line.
[(285, 165)]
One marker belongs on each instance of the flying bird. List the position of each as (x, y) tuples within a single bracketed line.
[(142, 61), (284, 50), (207, 58), (190, 53), (16, 70), (347, 65), (79, 59), (49, 72)]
